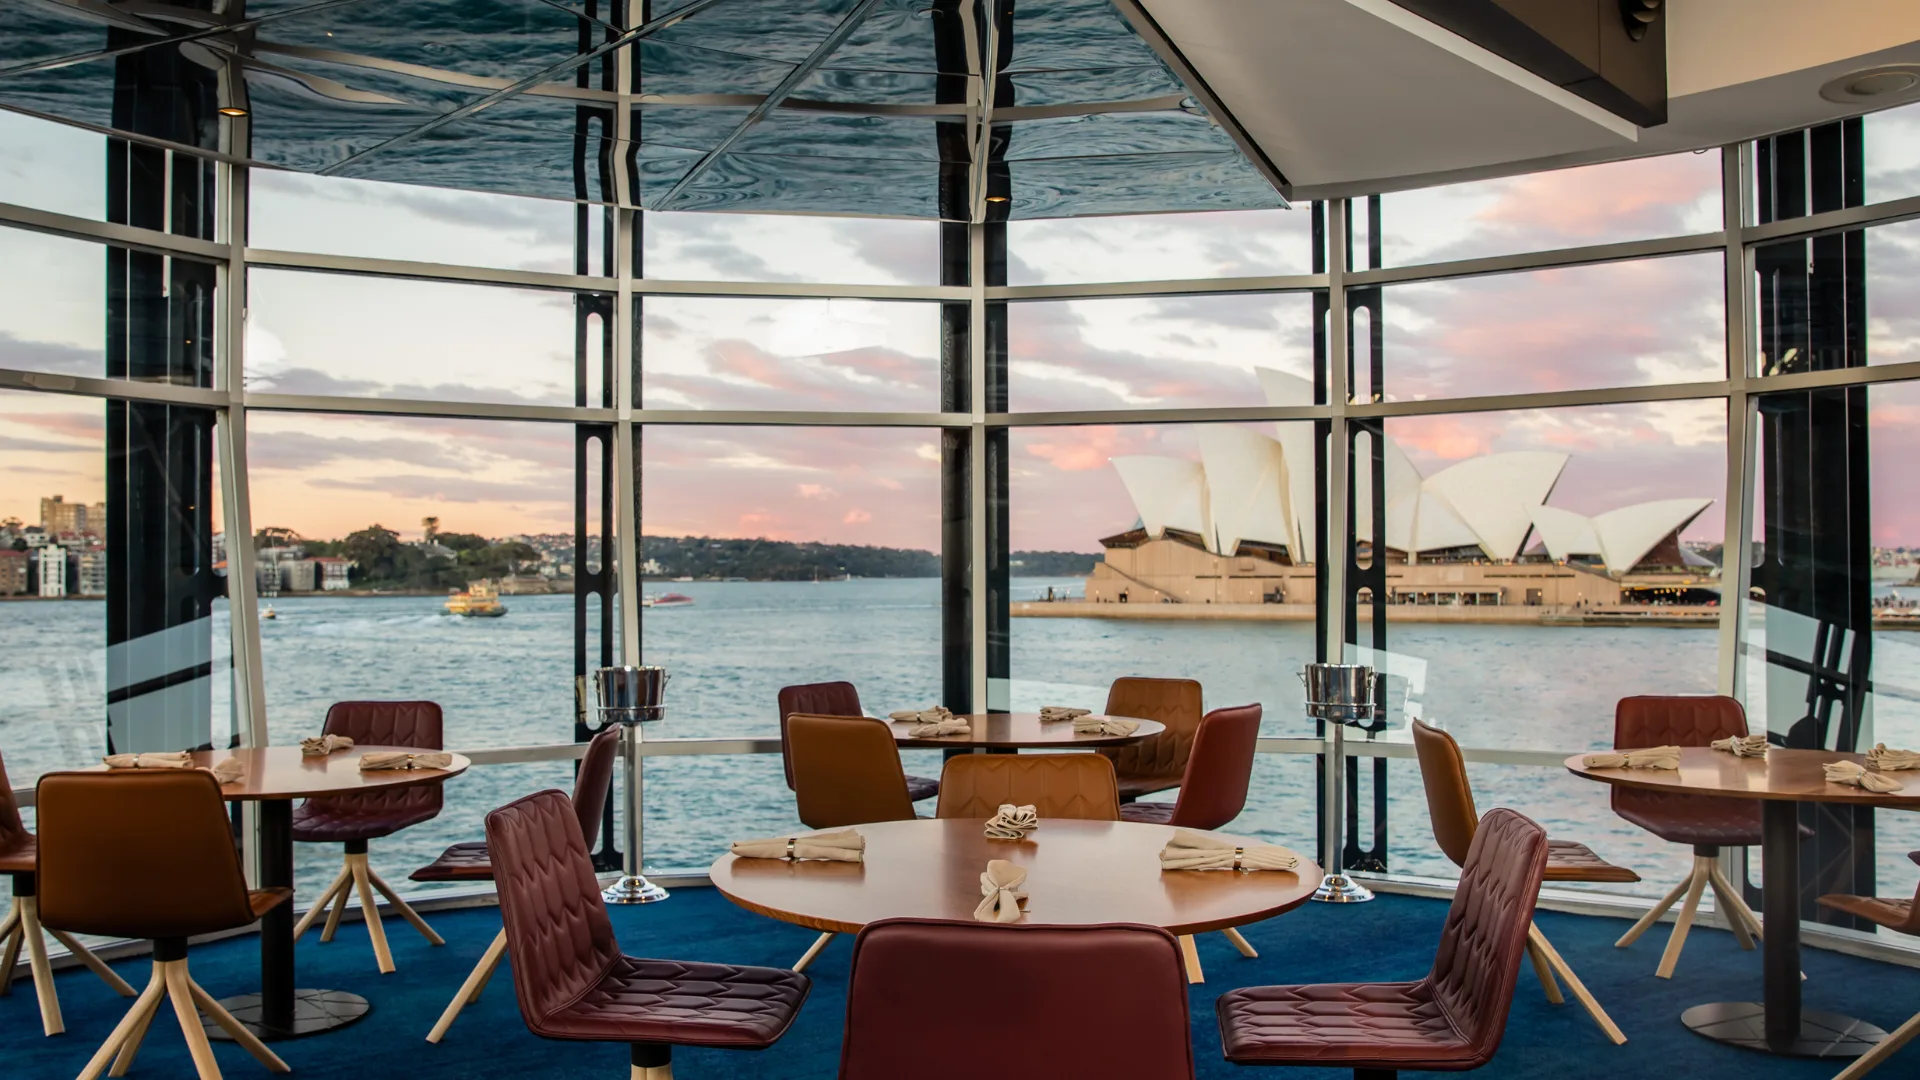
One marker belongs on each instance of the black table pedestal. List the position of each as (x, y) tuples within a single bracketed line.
[(279, 1010), (1780, 1025)]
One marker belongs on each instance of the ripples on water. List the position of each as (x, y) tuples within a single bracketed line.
[(508, 682)]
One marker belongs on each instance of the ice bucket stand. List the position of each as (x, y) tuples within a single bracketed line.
[(1340, 694), (631, 696)]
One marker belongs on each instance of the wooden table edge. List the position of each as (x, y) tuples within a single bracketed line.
[(1908, 799)]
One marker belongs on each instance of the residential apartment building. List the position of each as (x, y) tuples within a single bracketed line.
[(13, 572)]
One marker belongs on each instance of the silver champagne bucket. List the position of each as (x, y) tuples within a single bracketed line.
[(1341, 693), (631, 695)]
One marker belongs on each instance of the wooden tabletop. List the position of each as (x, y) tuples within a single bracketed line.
[(1078, 872), (1783, 775), (1014, 731), (282, 772)]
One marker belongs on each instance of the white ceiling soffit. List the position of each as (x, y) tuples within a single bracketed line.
[(1353, 97), (1345, 93)]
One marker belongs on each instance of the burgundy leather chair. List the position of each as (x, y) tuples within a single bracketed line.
[(352, 820), (1213, 791), (1902, 917), (1707, 823), (149, 853), (471, 861), (1451, 1020), (572, 980), (1129, 974), (834, 699), (22, 925)]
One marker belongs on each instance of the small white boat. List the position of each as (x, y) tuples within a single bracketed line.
[(269, 613), (672, 599)]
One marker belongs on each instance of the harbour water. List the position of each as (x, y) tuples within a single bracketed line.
[(508, 682)]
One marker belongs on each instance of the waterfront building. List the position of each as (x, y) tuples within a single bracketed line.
[(298, 575), (52, 572), (36, 537), (14, 566), (90, 571), (333, 572)]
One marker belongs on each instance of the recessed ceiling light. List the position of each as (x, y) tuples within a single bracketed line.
[(1872, 84), (232, 110), (996, 198)]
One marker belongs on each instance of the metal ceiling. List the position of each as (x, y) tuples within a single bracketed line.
[(868, 107)]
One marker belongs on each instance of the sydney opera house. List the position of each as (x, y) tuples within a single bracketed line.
[(1236, 527)]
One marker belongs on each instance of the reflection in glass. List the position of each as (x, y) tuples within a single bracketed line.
[(700, 353), (783, 247), (1157, 247)]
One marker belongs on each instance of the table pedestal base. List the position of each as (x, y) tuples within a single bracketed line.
[(314, 1012), (1744, 1023)]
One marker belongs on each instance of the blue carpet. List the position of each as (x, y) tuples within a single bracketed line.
[(1392, 938)]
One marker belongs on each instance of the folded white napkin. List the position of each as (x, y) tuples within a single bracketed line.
[(847, 845), (171, 759), (922, 716), (1000, 889), (229, 770), (1050, 714), (1858, 775), (1012, 822), (1656, 757), (1190, 850), (936, 728), (400, 759), (1892, 760), (322, 745), (1743, 745), (1104, 725)]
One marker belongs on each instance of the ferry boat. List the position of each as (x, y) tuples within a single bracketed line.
[(480, 600), (269, 613), (672, 599)]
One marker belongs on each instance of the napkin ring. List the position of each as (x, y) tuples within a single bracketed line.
[(790, 847), (1238, 854)]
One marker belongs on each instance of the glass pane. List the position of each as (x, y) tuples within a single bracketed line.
[(810, 554), (1181, 551), (1893, 274), (56, 320), (782, 247), (1890, 149), (335, 334), (291, 211), (700, 353), (1160, 247), (1574, 552), (369, 524), (1160, 352), (51, 166), (1614, 324), (1645, 199)]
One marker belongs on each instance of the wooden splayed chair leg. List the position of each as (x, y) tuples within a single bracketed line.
[(171, 981), (356, 878), (22, 927), (813, 952), (1547, 963), (469, 992), (1706, 872)]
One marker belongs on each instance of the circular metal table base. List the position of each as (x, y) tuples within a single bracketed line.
[(1744, 1023), (314, 1012)]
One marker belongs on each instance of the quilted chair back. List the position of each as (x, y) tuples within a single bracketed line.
[(1213, 790), (556, 924), (386, 723), (1672, 720), (1055, 785), (592, 783), (1485, 935), (846, 771), (1173, 702), (817, 699), (979, 1030)]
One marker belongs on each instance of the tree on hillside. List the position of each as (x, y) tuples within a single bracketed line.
[(275, 536)]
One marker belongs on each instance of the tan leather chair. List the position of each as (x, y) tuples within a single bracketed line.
[(1455, 821), (846, 771), (1055, 785), (22, 925), (1159, 762), (1902, 917), (149, 854)]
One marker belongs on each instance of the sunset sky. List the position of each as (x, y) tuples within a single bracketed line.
[(1649, 322)]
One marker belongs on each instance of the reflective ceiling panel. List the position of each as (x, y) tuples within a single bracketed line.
[(488, 94)]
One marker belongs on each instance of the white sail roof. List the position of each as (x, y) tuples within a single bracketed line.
[(1246, 489), (1296, 446), (1166, 492), (1495, 495), (1620, 537), (1565, 533)]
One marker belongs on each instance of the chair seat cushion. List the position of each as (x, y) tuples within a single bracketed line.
[(317, 822), (922, 787), (265, 900), (1132, 787), (462, 862), (1691, 819), (19, 859), (1347, 1025), (1148, 813), (683, 1003), (1893, 914), (1569, 860)]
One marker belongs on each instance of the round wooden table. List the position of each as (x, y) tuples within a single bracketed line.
[(1078, 872), (1780, 780), (277, 775), (1019, 731)]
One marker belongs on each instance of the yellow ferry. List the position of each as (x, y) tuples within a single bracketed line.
[(480, 600)]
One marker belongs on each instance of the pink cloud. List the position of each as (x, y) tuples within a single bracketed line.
[(856, 516)]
